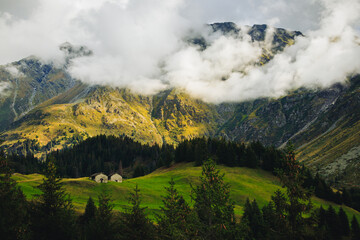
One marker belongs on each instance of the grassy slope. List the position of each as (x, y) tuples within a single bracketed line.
[(252, 183)]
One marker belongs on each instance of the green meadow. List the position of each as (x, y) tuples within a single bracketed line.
[(245, 183)]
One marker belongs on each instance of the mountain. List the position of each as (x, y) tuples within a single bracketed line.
[(323, 125), (29, 84), (44, 109), (331, 144)]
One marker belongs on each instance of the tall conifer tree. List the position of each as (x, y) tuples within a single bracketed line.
[(292, 206), (53, 215), (355, 229), (213, 205), (102, 226), (177, 220), (13, 206), (136, 224)]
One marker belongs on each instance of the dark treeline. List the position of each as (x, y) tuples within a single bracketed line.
[(270, 223), (321, 189), (24, 164), (229, 153), (107, 154), (289, 214)]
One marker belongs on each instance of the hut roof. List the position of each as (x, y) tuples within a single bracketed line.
[(95, 174), (114, 174)]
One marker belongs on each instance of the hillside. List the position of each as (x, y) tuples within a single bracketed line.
[(304, 117), (255, 184), (331, 144)]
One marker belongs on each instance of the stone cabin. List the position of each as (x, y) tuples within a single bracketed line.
[(99, 178), (115, 177)]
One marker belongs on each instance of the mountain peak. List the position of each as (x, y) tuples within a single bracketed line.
[(72, 51)]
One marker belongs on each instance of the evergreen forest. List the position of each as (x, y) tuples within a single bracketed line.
[(289, 214)]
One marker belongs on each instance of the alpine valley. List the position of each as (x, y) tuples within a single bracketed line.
[(44, 109)]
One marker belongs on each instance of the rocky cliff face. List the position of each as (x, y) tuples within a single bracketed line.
[(276, 121), (331, 143), (29, 83)]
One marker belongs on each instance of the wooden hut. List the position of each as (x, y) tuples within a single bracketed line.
[(99, 178), (115, 177)]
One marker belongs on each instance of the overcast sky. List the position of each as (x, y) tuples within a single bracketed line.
[(139, 43), (292, 14)]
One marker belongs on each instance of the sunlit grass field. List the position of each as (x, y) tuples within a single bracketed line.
[(245, 183)]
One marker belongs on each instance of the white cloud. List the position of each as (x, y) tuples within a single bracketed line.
[(4, 86), (140, 44), (14, 71), (326, 56)]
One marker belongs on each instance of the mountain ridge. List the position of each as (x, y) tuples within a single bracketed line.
[(49, 110)]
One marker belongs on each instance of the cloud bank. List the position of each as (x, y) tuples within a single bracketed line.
[(141, 44)]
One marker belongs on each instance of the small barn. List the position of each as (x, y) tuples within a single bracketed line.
[(115, 177), (99, 178)]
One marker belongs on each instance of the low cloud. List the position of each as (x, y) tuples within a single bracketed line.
[(14, 71), (324, 57), (4, 87), (142, 44)]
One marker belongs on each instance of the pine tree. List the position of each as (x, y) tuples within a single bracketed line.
[(346, 197), (200, 151), (213, 205), (343, 223), (322, 217), (322, 229), (177, 220), (14, 219), (355, 229), (53, 215), (102, 226), (120, 169), (135, 223), (90, 211), (332, 221), (254, 219), (86, 220), (251, 160), (274, 215), (139, 171), (271, 229), (298, 198)]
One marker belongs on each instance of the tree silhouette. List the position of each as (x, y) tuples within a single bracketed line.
[(53, 215), (14, 219), (177, 220), (355, 229), (296, 202), (135, 223), (213, 205), (102, 226)]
